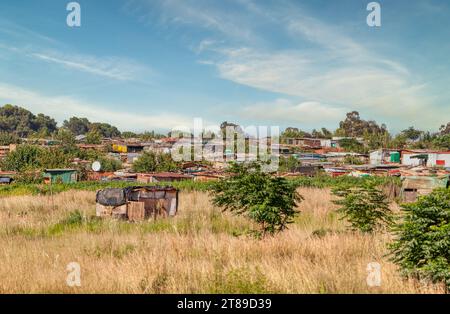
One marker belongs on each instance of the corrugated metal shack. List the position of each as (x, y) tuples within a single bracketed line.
[(60, 176), (415, 186), (137, 203)]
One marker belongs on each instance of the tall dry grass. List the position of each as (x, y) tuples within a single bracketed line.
[(202, 250)]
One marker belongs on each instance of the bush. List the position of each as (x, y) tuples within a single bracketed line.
[(422, 244), (151, 162), (8, 138), (267, 200), (25, 157), (365, 206)]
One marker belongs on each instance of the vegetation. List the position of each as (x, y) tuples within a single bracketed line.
[(93, 137), (8, 138), (422, 244), (81, 126), (201, 250), (267, 200), (365, 206), (353, 145), (289, 164), (154, 162), (23, 123)]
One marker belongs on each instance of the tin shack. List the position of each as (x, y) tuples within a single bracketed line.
[(137, 203)]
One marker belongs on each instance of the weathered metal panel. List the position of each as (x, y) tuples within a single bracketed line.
[(136, 211)]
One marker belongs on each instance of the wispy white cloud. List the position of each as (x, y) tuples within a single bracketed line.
[(63, 107), (46, 49), (195, 13), (110, 67), (18, 31), (334, 70)]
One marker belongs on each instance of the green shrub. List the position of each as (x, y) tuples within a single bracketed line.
[(267, 200), (364, 206), (151, 162), (422, 244)]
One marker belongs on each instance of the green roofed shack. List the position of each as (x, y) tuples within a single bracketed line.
[(60, 176)]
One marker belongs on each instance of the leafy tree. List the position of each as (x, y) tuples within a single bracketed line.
[(442, 142), (53, 158), (353, 160), (364, 206), (352, 145), (105, 129), (78, 126), (354, 126), (326, 133), (399, 141), (323, 133), (128, 134), (146, 136), (412, 134), (422, 244), (289, 164), (267, 200), (67, 139), (8, 138), (293, 133), (21, 122), (109, 164), (93, 137), (445, 129), (24, 158), (151, 162), (27, 158)]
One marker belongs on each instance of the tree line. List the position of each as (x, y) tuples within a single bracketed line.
[(17, 122), (375, 136)]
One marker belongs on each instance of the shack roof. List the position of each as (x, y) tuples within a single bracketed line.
[(424, 151), (165, 175), (60, 170)]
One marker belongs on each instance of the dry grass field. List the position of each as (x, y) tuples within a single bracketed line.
[(202, 250)]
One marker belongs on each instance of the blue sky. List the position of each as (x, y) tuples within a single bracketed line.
[(149, 64)]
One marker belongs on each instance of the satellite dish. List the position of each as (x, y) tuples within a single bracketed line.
[(96, 166)]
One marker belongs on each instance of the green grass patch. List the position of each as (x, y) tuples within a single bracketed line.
[(17, 189)]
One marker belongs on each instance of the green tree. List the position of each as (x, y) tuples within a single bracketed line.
[(105, 129), (442, 142), (364, 206), (8, 138), (269, 201), (412, 134), (354, 126), (110, 164), (53, 158), (151, 162), (289, 164), (445, 129), (24, 158), (293, 133), (352, 145), (422, 243), (128, 134), (93, 137), (67, 139), (21, 122), (78, 126)]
